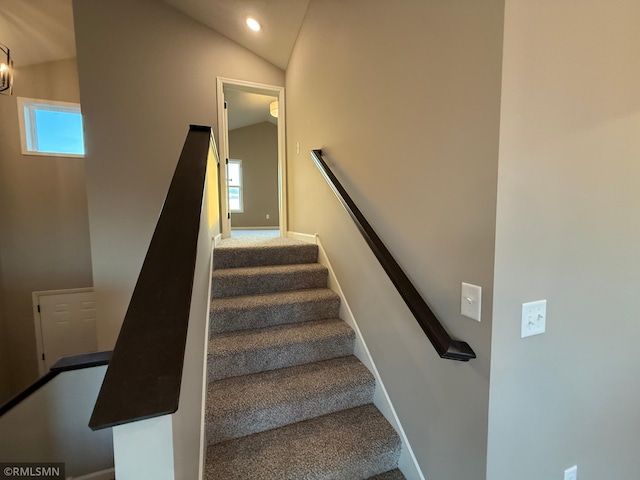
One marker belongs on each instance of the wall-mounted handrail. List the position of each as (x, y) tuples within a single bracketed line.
[(443, 343), (144, 375)]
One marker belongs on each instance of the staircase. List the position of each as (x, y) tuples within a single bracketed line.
[(286, 397)]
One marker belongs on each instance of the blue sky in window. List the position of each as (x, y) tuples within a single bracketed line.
[(59, 132)]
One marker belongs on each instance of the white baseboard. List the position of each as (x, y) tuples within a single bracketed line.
[(407, 463), (275, 227), (216, 239), (303, 237)]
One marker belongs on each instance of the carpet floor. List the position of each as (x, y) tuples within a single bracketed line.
[(287, 399)]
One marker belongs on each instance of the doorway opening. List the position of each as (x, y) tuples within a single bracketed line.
[(252, 145)]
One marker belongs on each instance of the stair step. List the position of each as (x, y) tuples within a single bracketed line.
[(390, 475), (233, 282), (250, 351), (351, 444), (250, 404), (290, 252), (258, 311)]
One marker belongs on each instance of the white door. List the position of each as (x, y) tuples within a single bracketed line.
[(67, 324)]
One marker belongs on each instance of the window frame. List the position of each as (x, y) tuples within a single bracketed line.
[(26, 123), (240, 186)]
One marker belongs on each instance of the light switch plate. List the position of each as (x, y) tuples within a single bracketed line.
[(571, 473), (471, 301), (534, 318)]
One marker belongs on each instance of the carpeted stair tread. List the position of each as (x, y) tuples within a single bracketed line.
[(286, 399), (249, 404), (348, 445), (391, 475), (258, 311), (232, 282), (274, 252), (250, 351)]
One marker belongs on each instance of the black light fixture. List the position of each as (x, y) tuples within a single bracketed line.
[(6, 71)]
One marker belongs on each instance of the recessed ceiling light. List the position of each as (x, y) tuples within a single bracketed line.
[(253, 24)]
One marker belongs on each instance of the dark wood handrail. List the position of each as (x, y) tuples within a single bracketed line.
[(443, 343), (65, 364), (145, 373)]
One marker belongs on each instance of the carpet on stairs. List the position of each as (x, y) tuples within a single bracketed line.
[(287, 399)]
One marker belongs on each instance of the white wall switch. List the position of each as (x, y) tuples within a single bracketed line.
[(471, 301), (534, 318), (571, 473), (267, 216)]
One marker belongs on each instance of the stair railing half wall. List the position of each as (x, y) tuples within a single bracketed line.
[(153, 390), (48, 420), (442, 342)]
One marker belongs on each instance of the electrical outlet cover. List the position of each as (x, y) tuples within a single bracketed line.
[(534, 318)]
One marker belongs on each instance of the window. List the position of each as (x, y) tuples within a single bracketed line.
[(50, 128), (234, 179)]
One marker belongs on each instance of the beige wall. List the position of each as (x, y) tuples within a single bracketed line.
[(568, 230), (403, 98), (257, 147), (44, 238), (146, 72), (5, 367)]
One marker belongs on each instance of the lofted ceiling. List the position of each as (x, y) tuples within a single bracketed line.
[(248, 108), (37, 31), (40, 31), (280, 20)]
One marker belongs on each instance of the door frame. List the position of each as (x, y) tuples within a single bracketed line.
[(223, 143)]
